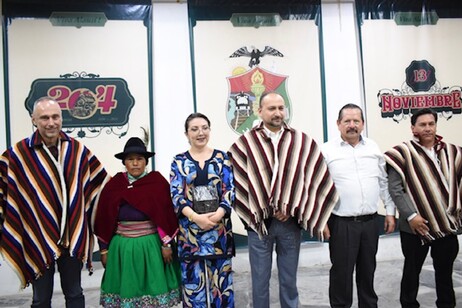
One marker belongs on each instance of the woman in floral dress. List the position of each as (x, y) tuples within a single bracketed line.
[(205, 239)]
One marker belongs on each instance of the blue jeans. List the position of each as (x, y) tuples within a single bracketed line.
[(287, 237), (70, 269)]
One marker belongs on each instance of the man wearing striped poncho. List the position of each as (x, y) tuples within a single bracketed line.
[(282, 184), (48, 185), (425, 182)]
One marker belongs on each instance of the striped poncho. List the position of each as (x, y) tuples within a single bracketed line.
[(436, 191), (40, 198), (302, 186)]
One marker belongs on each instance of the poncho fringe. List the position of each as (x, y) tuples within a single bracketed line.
[(303, 187), (32, 197), (435, 192)]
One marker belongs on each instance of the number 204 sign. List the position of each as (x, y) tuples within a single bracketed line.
[(86, 101)]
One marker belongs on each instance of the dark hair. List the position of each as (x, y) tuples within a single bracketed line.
[(193, 116), (262, 97), (350, 106), (420, 112)]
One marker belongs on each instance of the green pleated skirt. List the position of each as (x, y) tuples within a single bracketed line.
[(136, 275)]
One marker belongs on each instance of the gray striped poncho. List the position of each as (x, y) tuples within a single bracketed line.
[(435, 192), (302, 188)]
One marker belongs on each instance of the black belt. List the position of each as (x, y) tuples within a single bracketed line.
[(361, 218)]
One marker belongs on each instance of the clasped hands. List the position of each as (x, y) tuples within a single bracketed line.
[(208, 221), (280, 216)]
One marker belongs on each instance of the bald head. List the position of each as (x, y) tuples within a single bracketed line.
[(47, 117), (272, 111)]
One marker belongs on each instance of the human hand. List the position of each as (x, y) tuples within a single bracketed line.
[(280, 216), (204, 221), (167, 254), (389, 224), (218, 215), (326, 233), (419, 225)]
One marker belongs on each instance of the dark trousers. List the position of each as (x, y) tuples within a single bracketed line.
[(352, 244), (70, 273), (443, 252)]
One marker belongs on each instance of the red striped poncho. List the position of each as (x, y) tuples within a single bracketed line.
[(435, 191), (303, 187), (39, 197)]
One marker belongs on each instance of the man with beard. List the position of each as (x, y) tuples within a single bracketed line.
[(281, 179), (357, 167), (425, 179)]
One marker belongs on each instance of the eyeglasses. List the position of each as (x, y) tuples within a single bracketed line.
[(204, 129)]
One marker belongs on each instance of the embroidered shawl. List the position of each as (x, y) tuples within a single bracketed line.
[(435, 191), (150, 195), (40, 197), (302, 188)]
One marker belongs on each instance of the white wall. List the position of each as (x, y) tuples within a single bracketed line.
[(173, 96), (50, 51), (299, 67), (388, 49), (172, 103), (342, 60)]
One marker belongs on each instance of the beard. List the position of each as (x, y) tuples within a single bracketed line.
[(276, 122)]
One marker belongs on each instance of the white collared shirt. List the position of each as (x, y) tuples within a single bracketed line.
[(275, 137), (359, 175), (432, 154)]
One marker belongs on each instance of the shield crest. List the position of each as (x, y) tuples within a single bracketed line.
[(245, 90)]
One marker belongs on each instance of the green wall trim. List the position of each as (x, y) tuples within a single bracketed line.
[(193, 63), (6, 82), (323, 79), (148, 25)]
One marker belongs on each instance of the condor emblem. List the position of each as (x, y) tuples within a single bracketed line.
[(247, 86)]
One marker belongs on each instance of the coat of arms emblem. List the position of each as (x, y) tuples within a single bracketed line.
[(246, 87)]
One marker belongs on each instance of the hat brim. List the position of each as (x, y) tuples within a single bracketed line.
[(127, 151)]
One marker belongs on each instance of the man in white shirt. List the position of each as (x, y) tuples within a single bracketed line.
[(357, 167)]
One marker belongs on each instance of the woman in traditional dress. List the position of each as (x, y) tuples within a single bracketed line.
[(135, 225), (202, 189)]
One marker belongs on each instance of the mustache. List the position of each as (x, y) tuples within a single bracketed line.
[(418, 135), (352, 130)]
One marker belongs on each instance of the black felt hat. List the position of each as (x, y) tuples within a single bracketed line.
[(134, 145)]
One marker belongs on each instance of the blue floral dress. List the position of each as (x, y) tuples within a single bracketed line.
[(205, 255)]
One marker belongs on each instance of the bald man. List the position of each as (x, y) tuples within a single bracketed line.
[(48, 185)]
